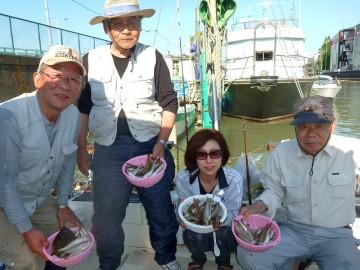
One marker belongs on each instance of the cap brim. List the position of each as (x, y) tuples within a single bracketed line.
[(144, 13), (311, 117), (51, 62)]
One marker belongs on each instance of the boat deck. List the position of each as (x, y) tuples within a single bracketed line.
[(138, 253), (137, 259)]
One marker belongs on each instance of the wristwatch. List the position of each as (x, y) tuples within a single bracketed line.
[(63, 206), (161, 141)]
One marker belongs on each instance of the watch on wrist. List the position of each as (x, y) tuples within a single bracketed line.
[(161, 141), (60, 206)]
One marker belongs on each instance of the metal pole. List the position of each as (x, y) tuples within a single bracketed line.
[(214, 96), (212, 8), (59, 32), (48, 22)]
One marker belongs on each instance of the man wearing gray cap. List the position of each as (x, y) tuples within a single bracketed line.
[(129, 105), (313, 178), (38, 153)]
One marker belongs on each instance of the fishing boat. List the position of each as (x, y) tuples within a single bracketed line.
[(265, 63), (186, 115), (326, 86), (187, 86)]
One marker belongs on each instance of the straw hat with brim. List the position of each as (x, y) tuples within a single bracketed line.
[(60, 54), (122, 8)]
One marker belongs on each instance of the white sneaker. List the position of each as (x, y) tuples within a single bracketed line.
[(174, 265)]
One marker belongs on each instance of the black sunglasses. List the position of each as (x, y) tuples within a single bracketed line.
[(214, 154)]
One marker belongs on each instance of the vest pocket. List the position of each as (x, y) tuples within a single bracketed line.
[(101, 89), (141, 88), (101, 122)]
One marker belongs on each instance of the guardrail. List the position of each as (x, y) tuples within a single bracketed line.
[(23, 37)]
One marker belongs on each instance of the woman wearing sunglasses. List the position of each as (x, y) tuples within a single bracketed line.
[(205, 158)]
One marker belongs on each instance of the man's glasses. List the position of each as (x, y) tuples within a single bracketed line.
[(214, 154), (120, 25), (56, 77)]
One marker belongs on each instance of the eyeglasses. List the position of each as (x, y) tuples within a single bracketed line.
[(214, 154), (120, 25), (55, 77)]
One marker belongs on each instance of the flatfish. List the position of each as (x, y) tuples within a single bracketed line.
[(62, 239)]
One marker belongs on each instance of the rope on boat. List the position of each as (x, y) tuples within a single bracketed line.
[(182, 74), (287, 58), (157, 25), (173, 25)]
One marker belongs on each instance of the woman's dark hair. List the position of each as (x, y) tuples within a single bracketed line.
[(198, 140)]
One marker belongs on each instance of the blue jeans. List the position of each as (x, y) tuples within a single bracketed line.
[(198, 243), (111, 197)]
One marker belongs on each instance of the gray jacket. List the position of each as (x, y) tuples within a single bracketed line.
[(31, 167)]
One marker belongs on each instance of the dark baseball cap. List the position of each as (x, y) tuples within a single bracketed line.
[(313, 109)]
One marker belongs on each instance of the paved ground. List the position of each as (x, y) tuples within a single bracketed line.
[(143, 260)]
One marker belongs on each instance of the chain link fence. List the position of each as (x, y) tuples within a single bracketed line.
[(23, 37)]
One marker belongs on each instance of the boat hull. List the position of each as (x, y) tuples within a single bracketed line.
[(180, 119), (330, 91), (243, 99), (325, 86)]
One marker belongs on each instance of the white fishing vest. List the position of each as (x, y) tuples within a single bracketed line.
[(39, 164), (134, 93)]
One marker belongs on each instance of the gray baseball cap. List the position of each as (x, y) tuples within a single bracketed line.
[(313, 109)]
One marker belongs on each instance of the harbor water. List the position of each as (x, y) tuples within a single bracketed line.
[(258, 134)]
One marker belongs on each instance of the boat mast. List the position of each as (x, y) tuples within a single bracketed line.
[(214, 45), (182, 72)]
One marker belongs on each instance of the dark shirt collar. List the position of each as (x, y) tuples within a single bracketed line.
[(222, 179)]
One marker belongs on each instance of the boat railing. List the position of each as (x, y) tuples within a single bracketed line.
[(24, 37), (244, 23), (278, 13), (289, 66), (188, 90)]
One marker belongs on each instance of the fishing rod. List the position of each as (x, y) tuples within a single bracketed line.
[(247, 164)]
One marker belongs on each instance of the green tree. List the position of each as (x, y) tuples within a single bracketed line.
[(324, 55)]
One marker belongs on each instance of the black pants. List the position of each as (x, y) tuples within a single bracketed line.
[(50, 266), (198, 243)]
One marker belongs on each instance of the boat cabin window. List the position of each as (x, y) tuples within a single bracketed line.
[(264, 56)]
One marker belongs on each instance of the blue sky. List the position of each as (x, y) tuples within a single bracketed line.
[(319, 18)]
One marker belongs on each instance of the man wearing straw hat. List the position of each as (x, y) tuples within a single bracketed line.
[(129, 106), (38, 152), (313, 177)]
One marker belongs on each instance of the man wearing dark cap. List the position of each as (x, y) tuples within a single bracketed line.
[(312, 177), (38, 153), (129, 106)]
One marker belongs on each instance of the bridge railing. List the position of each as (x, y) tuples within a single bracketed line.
[(24, 37)]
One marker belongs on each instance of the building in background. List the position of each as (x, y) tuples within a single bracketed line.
[(345, 54)]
